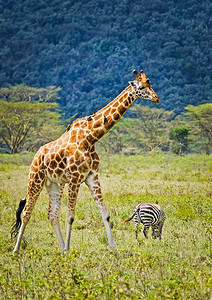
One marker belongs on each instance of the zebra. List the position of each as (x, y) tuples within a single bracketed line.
[(149, 215)]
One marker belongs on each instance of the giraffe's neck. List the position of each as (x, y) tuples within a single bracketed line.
[(100, 123)]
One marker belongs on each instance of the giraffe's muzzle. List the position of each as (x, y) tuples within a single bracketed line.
[(155, 100)]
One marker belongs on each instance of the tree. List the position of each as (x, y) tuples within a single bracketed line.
[(119, 137), (23, 119), (147, 132), (92, 56), (153, 126), (21, 92), (201, 121), (179, 135)]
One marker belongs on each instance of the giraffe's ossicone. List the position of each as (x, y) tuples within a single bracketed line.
[(72, 159)]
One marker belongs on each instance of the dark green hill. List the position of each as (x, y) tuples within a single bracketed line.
[(89, 49)]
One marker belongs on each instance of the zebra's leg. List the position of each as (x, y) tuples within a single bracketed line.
[(160, 230), (160, 234), (145, 231), (55, 193), (136, 225), (72, 199), (136, 231), (154, 232), (93, 183)]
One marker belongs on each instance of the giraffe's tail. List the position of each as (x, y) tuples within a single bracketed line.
[(130, 218), (16, 226)]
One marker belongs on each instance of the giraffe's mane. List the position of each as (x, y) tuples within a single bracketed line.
[(118, 97), (79, 122)]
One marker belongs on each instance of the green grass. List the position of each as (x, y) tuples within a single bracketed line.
[(177, 267)]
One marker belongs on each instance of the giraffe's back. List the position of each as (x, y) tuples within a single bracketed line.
[(70, 157)]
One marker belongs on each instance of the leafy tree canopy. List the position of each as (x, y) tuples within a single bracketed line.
[(148, 130), (22, 92), (89, 49), (153, 126), (179, 136), (22, 122), (201, 118)]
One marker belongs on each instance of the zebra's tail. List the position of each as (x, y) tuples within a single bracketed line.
[(16, 226), (130, 218)]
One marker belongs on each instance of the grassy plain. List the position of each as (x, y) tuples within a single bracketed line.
[(177, 267)]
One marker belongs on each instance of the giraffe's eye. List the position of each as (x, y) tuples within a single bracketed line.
[(141, 88)]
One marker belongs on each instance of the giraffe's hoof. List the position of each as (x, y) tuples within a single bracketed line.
[(112, 246), (65, 249)]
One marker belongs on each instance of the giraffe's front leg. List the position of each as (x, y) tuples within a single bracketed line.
[(93, 183), (55, 193), (72, 198)]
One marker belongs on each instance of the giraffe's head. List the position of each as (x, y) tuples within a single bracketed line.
[(142, 88)]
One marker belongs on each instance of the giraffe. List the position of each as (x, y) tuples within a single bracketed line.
[(72, 160)]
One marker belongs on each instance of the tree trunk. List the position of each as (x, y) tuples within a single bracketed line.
[(13, 150)]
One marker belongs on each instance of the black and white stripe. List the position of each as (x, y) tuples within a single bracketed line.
[(149, 215)]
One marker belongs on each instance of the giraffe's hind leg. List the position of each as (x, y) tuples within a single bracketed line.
[(35, 186), (72, 198), (55, 193), (94, 186)]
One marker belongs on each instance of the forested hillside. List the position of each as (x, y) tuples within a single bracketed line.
[(89, 49)]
